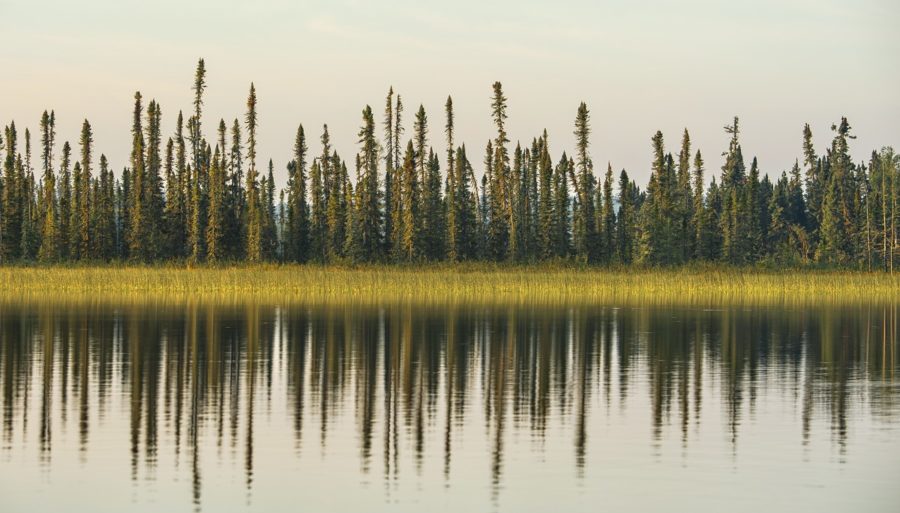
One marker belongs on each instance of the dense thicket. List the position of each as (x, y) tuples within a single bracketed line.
[(405, 203)]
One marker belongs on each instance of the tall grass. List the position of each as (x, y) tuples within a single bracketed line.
[(550, 284)]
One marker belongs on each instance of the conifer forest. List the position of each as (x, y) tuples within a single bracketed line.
[(203, 195)]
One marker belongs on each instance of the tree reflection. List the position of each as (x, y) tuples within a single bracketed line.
[(199, 377)]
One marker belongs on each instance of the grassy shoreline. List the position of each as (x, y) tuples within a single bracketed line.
[(477, 283)]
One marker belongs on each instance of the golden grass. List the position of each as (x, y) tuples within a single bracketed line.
[(543, 284)]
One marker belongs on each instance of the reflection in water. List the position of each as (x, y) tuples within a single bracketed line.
[(193, 381)]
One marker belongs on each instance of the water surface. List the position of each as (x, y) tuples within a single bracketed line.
[(192, 407)]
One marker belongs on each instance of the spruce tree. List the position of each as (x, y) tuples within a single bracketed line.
[(561, 206), (236, 197), (625, 225), (196, 133), (498, 165), (608, 228), (585, 235), (11, 216), (684, 202), (836, 231), (215, 232), (153, 197), (368, 201), (269, 234), (298, 222), (105, 225), (138, 215), (452, 197), (254, 249), (434, 210), (317, 233), (410, 245), (65, 202), (547, 218), (49, 250), (84, 205), (815, 182)]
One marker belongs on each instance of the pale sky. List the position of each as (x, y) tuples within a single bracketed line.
[(640, 67)]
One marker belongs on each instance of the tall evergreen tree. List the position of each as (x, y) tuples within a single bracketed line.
[(368, 203), (836, 231), (84, 205), (138, 216), (152, 194), (49, 250), (254, 244), (215, 229), (608, 228), (585, 230), (547, 217), (411, 244), (298, 222), (65, 201)]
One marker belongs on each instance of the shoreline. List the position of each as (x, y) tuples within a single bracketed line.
[(437, 284)]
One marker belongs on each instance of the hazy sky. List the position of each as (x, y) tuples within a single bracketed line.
[(640, 66)]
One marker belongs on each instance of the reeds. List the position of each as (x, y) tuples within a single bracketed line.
[(545, 284)]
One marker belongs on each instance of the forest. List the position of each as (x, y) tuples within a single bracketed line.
[(198, 197)]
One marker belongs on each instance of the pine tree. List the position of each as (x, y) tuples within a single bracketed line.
[(436, 226), (317, 216), (84, 205), (176, 197), (336, 208), (451, 194), (11, 216), (608, 228), (464, 230), (547, 217), (497, 227), (215, 232), (815, 182), (137, 238), (269, 234), (684, 202), (124, 197), (49, 250), (196, 132), (656, 244), (368, 201), (585, 233), (734, 220), (501, 224), (105, 228), (30, 241), (152, 194), (626, 218), (254, 249), (235, 200), (65, 202), (700, 223), (561, 206), (389, 131), (411, 245), (298, 222), (353, 246), (836, 231)]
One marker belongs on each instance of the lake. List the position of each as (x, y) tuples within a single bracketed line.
[(153, 406)]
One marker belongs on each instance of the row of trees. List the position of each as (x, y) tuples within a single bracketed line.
[(189, 198)]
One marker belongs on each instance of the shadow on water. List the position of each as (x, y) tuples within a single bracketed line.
[(196, 379)]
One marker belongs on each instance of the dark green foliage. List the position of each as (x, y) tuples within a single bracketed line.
[(212, 205), (584, 183)]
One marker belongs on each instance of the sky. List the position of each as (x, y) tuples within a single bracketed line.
[(640, 67)]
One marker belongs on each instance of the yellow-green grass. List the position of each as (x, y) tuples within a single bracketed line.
[(540, 284)]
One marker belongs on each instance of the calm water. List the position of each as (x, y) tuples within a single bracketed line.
[(405, 408)]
